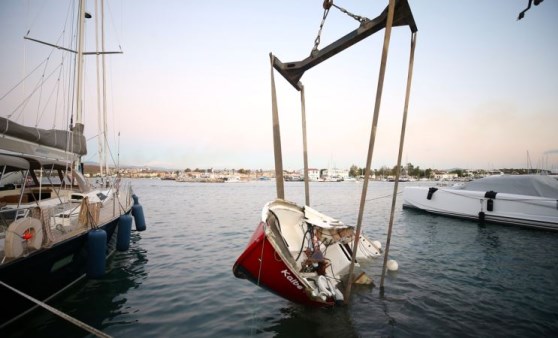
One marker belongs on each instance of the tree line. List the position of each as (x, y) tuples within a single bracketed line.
[(415, 171)]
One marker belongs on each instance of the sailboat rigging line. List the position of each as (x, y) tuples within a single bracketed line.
[(60, 75), (22, 80), (276, 137), (42, 82), (114, 32), (400, 155), (28, 97), (59, 313), (45, 106), (387, 36)]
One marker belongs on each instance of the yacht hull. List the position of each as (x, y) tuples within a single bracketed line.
[(45, 273), (502, 208)]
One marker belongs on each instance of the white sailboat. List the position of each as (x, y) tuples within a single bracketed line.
[(55, 226)]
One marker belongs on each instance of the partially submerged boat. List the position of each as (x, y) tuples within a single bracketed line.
[(297, 252), (524, 200), (301, 254)]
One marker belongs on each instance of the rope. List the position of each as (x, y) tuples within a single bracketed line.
[(61, 314), (384, 196), (389, 23), (401, 142), (261, 256)]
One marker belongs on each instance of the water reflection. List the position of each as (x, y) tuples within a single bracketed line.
[(297, 321), (488, 238), (99, 303)]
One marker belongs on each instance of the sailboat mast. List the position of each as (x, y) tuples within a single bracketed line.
[(101, 86), (79, 85), (105, 126), (99, 109)]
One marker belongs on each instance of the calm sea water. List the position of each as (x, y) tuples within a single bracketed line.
[(455, 278)]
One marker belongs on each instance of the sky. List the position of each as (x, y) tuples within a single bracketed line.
[(192, 87)]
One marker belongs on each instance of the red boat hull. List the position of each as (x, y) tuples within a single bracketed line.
[(263, 266)]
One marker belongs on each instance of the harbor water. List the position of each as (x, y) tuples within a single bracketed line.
[(455, 278)]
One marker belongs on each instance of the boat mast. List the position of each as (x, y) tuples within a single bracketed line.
[(79, 89), (101, 85), (100, 140), (78, 127), (105, 127)]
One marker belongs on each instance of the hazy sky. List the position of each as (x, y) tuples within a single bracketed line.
[(192, 89)]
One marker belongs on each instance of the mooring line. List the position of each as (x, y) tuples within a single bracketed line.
[(59, 313)]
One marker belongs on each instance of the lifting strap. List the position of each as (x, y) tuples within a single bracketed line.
[(304, 146), (401, 142), (379, 90), (276, 137), (277, 140)]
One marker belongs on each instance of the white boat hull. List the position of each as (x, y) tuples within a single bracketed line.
[(529, 211)]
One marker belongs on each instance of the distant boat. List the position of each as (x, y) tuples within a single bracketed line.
[(232, 179), (401, 179), (331, 179), (524, 200), (55, 227)]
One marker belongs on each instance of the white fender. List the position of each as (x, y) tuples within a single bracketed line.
[(336, 293), (323, 287), (16, 242)]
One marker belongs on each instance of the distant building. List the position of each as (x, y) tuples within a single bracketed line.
[(313, 174)]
